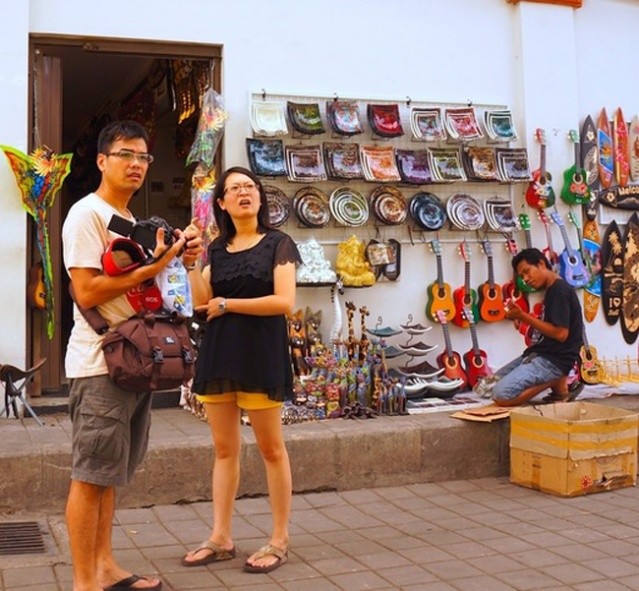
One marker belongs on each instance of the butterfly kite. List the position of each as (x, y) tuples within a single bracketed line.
[(39, 177)]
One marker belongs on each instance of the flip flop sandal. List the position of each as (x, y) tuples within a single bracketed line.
[(218, 554), (129, 582), (573, 392), (268, 550)]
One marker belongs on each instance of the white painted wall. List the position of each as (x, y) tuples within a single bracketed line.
[(529, 56)]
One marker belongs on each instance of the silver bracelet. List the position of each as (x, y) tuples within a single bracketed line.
[(190, 267)]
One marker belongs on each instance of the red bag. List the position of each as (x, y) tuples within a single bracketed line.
[(150, 352)]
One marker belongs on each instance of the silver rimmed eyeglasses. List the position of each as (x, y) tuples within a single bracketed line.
[(130, 156), (236, 189)]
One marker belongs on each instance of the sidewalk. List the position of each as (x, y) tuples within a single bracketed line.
[(465, 535)]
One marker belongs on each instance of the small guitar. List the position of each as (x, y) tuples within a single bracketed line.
[(540, 193), (549, 252), (465, 296), (439, 292), (36, 290), (491, 302), (476, 360), (574, 220), (511, 290), (591, 369), (524, 222), (530, 335), (575, 189), (450, 360), (571, 264)]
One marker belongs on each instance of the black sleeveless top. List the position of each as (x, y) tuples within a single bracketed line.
[(240, 352)]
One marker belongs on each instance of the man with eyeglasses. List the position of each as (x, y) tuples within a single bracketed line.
[(110, 425)]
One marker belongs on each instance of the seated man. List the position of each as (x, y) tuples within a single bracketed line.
[(558, 336)]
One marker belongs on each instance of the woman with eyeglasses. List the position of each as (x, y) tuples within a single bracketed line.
[(245, 290)]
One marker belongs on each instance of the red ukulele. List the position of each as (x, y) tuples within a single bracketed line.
[(549, 251), (450, 360), (511, 290), (476, 359), (491, 303), (540, 193), (464, 296)]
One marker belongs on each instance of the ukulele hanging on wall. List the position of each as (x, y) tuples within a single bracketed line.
[(540, 193)]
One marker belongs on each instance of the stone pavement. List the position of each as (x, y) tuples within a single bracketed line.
[(464, 535)]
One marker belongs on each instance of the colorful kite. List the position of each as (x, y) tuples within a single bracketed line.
[(39, 177)]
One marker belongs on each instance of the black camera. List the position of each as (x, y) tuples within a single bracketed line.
[(143, 231)]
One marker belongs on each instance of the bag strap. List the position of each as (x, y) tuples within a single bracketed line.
[(91, 315)]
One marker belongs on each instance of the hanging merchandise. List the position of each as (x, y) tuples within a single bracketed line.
[(202, 185), (39, 177), (210, 128)]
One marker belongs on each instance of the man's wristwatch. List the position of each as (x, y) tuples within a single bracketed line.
[(222, 306)]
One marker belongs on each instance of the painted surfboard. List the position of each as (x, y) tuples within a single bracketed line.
[(620, 144), (612, 273), (592, 256), (630, 299), (605, 148), (633, 148), (590, 163)]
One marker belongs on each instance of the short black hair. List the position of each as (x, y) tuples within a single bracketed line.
[(120, 130), (533, 256), (223, 220)]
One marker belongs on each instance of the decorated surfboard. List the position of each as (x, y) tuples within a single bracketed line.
[(633, 148), (612, 273), (620, 144), (630, 298), (590, 163), (605, 148), (592, 256)]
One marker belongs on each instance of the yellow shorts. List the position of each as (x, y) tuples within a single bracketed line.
[(245, 400)]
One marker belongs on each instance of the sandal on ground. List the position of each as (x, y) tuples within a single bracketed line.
[(218, 554), (268, 550), (128, 583), (574, 391)]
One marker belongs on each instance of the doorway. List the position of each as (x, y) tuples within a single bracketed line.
[(78, 84)]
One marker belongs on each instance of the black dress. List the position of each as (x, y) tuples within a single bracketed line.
[(240, 352)]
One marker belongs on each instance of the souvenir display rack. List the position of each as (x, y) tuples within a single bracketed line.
[(297, 134)]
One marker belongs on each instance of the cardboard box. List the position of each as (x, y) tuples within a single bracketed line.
[(573, 448)]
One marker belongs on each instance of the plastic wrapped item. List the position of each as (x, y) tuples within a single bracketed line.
[(173, 283), (202, 185), (210, 128)]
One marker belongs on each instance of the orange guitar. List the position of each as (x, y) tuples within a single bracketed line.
[(36, 290), (540, 193), (491, 302), (450, 360), (439, 292), (476, 359), (464, 296), (591, 369)]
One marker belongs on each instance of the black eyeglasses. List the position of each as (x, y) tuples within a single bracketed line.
[(130, 156)]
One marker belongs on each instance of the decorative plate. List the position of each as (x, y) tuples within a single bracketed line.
[(446, 165), (266, 157), (378, 163), (426, 124), (512, 164), (500, 215), (465, 212), (279, 207), (384, 331), (305, 163), (414, 328), (385, 120), (305, 117), (343, 117), (389, 205), (348, 207), (414, 166), (417, 349), (311, 207), (480, 164), (267, 118), (421, 370), (499, 125), (462, 124), (427, 211), (342, 161)]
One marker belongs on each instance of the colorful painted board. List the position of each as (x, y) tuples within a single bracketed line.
[(590, 163), (604, 145), (633, 148), (630, 299), (592, 255), (620, 143), (612, 273)]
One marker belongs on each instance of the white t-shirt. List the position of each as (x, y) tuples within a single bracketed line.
[(85, 237)]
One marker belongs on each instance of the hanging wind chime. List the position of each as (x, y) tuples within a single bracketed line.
[(40, 176)]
